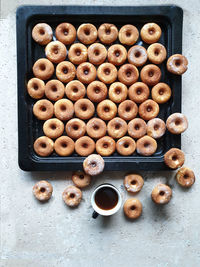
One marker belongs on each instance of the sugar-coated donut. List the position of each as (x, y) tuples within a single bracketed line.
[(78, 53), (150, 33), (132, 208), (161, 194), (93, 164), (36, 88), (72, 196), (146, 146), (87, 33), (128, 34), (43, 69), (107, 33), (81, 179), (97, 53), (105, 146), (65, 33), (64, 109), (117, 127), (156, 53), (56, 51), (107, 73), (53, 128), (43, 109), (84, 146), (177, 123), (75, 128), (128, 74), (161, 93), (138, 92), (125, 146), (117, 54), (148, 110), (43, 146), (43, 190), (133, 183), (118, 92), (65, 71), (137, 128), (54, 90), (150, 74), (97, 91), (64, 146), (177, 64), (137, 55), (174, 158), (106, 110), (185, 177), (75, 90), (42, 33), (84, 109), (96, 128), (127, 110), (86, 72), (156, 128)]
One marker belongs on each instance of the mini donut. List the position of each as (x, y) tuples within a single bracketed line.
[(107, 33), (65, 33), (128, 34), (125, 146), (177, 123), (72, 196), (86, 72), (81, 179), (177, 64), (148, 110), (161, 194), (107, 73), (138, 92), (105, 146), (117, 128), (64, 146), (156, 53), (63, 109), (137, 128), (87, 33), (185, 177), (84, 109), (127, 110), (56, 51), (132, 208), (97, 91), (84, 146), (43, 109), (174, 158), (156, 128), (133, 183), (128, 74), (53, 128), (137, 55), (43, 190), (161, 93), (75, 90), (118, 92), (65, 71), (43, 146), (150, 74), (146, 146), (97, 53), (78, 53), (43, 69), (150, 33), (106, 110), (42, 33), (117, 54), (93, 164), (96, 128), (36, 88), (54, 90), (75, 128)]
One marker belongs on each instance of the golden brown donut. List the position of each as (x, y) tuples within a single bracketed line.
[(107, 73), (96, 128), (64, 146), (161, 194), (43, 109), (63, 109), (54, 90), (125, 146), (105, 146), (86, 72), (81, 179), (128, 74), (87, 33), (137, 128), (132, 208), (127, 110), (177, 64), (117, 128), (174, 158), (146, 146), (150, 33), (42, 33), (36, 88), (72, 196), (137, 55), (56, 51), (106, 110), (128, 34), (150, 74), (117, 54), (43, 190), (43, 146), (53, 128), (97, 53), (185, 177), (138, 92), (133, 183), (177, 123), (161, 93), (97, 91), (156, 53), (75, 128), (107, 33), (65, 33), (118, 92), (84, 146), (43, 69), (156, 128), (84, 109), (65, 71), (78, 53), (148, 110), (75, 90), (93, 164)]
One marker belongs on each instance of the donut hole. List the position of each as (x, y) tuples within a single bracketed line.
[(63, 107), (42, 67), (65, 70), (177, 62), (151, 73), (117, 126), (149, 108), (105, 145), (107, 71), (134, 182), (87, 31), (75, 127), (106, 109), (146, 144), (84, 107), (54, 88), (53, 126), (55, 50), (41, 32), (161, 193), (177, 122), (137, 127), (174, 157), (43, 145), (96, 90), (139, 91), (93, 164), (96, 52), (64, 144), (151, 31), (137, 54), (78, 52), (156, 127), (156, 52), (43, 108), (128, 34), (65, 31), (118, 90), (72, 195), (108, 31), (85, 145), (186, 176), (133, 207), (128, 73), (117, 53), (86, 71), (96, 127), (42, 189), (81, 176), (35, 87), (161, 91), (126, 145), (128, 109), (75, 89)]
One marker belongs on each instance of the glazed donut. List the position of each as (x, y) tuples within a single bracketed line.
[(106, 110), (43, 146), (127, 110), (161, 194), (65, 33), (156, 53), (185, 177), (97, 53), (150, 33), (148, 110), (138, 92), (86, 72), (84, 146), (65, 71), (107, 33), (75, 90), (137, 55), (156, 128), (64, 146), (177, 64), (133, 183), (43, 190), (64, 109), (118, 92), (75, 128), (137, 128), (128, 74), (43, 69), (174, 158), (72, 196), (36, 88), (87, 33), (128, 34), (43, 109), (81, 179), (132, 208), (150, 74), (117, 54), (42, 33), (117, 128), (97, 91), (146, 146), (54, 90), (125, 146), (84, 109), (177, 123), (161, 93), (78, 53), (107, 73), (105, 146), (93, 165), (53, 128), (56, 51), (96, 128)]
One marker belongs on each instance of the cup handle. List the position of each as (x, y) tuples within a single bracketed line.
[(95, 215)]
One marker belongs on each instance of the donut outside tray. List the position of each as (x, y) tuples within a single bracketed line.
[(29, 128)]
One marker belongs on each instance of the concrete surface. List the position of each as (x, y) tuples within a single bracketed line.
[(34, 234)]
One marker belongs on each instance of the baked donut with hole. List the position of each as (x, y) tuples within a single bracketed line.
[(177, 64), (78, 53), (54, 90), (117, 54), (97, 53), (87, 33), (43, 69), (128, 34), (93, 164), (64, 146), (53, 128), (117, 127), (63, 109), (137, 55), (81, 179), (126, 146), (43, 146), (128, 74), (185, 177), (75, 90), (105, 146), (146, 146), (75, 128), (150, 33), (72, 196), (133, 183), (161, 194), (118, 92), (84, 146), (43, 109), (161, 93), (127, 110), (65, 33), (97, 91), (86, 72), (132, 208), (56, 51), (150, 74), (96, 128), (156, 128), (148, 110), (42, 33), (107, 73), (177, 123), (138, 92), (106, 110), (43, 190), (84, 109), (174, 158), (65, 71), (137, 128), (107, 33), (156, 53), (36, 88)]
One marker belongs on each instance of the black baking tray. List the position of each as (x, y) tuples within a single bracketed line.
[(169, 18)]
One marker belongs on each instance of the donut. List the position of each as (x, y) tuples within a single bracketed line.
[(150, 74), (156, 128), (118, 92), (54, 90), (127, 110), (117, 128), (161, 194), (125, 146), (177, 123), (107, 73), (64, 109), (75, 90), (65, 33), (138, 92), (56, 51), (106, 110), (161, 93), (36, 88), (128, 34), (43, 109), (75, 128), (78, 53), (86, 72), (43, 190), (53, 128), (137, 128), (177, 64), (97, 91), (42, 33), (117, 54), (84, 146), (96, 128), (43, 69), (107, 33), (65, 71), (72, 196), (146, 146), (81, 179), (185, 177), (156, 53), (87, 33), (132, 208), (97, 53), (64, 146), (148, 110), (150, 33), (43, 146), (174, 158), (84, 109), (137, 55), (128, 74), (93, 165), (133, 183), (105, 146)]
